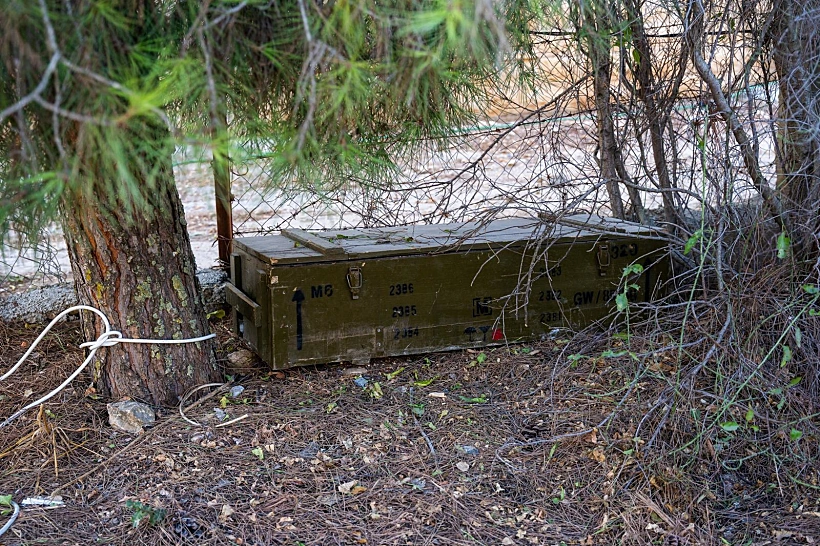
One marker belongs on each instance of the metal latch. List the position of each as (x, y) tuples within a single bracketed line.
[(604, 259), (354, 281)]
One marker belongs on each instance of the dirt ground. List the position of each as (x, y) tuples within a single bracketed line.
[(548, 443)]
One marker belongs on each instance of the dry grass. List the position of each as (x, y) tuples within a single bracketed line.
[(595, 439)]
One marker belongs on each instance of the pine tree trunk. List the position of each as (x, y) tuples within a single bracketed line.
[(136, 265), (796, 47)]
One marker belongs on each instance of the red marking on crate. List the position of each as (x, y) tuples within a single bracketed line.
[(498, 335)]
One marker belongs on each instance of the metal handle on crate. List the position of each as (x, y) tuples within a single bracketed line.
[(604, 259), (354, 281)]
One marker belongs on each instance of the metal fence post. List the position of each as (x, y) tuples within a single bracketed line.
[(224, 217)]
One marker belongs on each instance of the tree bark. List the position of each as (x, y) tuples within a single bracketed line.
[(655, 116), (132, 259), (795, 38), (597, 33)]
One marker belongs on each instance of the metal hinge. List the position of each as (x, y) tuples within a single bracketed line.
[(354, 281), (604, 259)]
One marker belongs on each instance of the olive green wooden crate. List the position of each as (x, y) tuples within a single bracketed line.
[(315, 297)]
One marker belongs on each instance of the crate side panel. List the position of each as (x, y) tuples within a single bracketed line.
[(249, 275), (415, 304)]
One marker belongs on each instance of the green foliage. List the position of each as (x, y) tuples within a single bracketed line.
[(5, 505), (424, 382), (730, 426), (787, 355), (216, 315), (328, 90), (783, 245), (692, 241), (474, 399), (141, 512), (374, 390), (622, 299)]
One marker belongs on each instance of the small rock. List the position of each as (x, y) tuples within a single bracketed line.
[(42, 304), (418, 484), (225, 513), (328, 500), (464, 467), (356, 370), (241, 359), (212, 286), (39, 305), (309, 451), (347, 487), (130, 416), (468, 450), (220, 414), (361, 382), (237, 390)]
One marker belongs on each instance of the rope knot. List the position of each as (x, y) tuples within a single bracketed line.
[(106, 339)]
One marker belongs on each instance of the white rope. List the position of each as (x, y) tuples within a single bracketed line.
[(108, 338), (12, 519)]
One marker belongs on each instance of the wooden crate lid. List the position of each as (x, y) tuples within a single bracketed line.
[(299, 246)]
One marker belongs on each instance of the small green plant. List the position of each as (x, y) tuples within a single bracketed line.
[(622, 299), (730, 426), (374, 390), (783, 245), (475, 399), (141, 511), (6, 507), (787, 356), (750, 419), (424, 382), (692, 241), (216, 315), (417, 409)]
